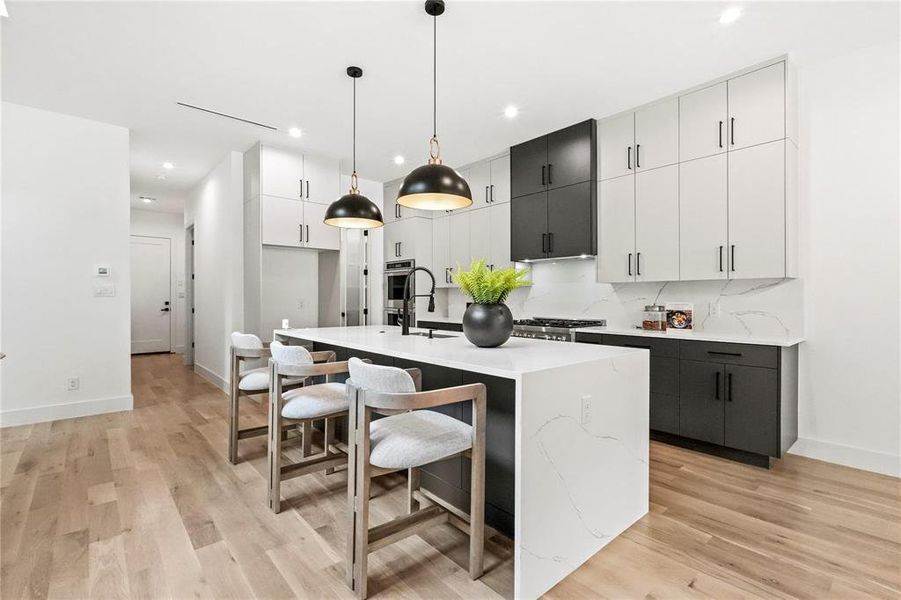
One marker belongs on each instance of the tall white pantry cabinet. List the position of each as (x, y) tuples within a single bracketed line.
[(703, 185)]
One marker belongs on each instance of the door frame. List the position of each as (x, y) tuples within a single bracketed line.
[(173, 318), (189, 295)]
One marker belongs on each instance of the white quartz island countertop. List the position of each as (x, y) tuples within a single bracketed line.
[(579, 436)]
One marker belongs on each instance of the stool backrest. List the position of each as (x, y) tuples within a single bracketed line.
[(290, 355), (246, 345), (388, 380)]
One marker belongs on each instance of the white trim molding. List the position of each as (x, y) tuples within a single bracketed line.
[(849, 456), (210, 376), (65, 410)]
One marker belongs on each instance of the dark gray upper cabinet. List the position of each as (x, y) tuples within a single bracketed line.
[(572, 155), (571, 221), (528, 167), (528, 227)]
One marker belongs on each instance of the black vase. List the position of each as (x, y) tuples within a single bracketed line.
[(487, 325)]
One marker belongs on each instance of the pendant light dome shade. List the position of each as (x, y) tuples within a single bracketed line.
[(434, 186), (354, 210)]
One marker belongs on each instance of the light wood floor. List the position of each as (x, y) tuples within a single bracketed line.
[(144, 505)]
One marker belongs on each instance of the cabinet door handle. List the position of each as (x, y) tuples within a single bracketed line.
[(729, 387), (308, 190), (300, 233), (732, 134), (543, 242), (721, 255), (638, 257), (400, 249), (716, 389), (630, 264), (492, 192), (550, 171), (550, 242), (629, 157), (542, 175), (486, 194), (732, 260), (637, 156), (300, 182), (721, 134), (637, 346), (718, 353), (308, 233)]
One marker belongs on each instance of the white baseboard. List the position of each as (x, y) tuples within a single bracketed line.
[(211, 377), (65, 410), (179, 349), (849, 456)]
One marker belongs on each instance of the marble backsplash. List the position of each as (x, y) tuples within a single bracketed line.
[(568, 289)]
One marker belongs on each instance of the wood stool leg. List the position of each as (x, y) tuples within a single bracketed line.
[(275, 449), (361, 533), (329, 438), (307, 442), (234, 393), (477, 491), (412, 486)]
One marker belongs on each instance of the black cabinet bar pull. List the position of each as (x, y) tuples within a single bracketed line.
[(399, 249), (300, 181), (550, 171), (542, 175), (637, 346), (638, 258), (733, 257), (716, 389), (630, 264), (550, 242), (729, 384), (732, 127), (544, 242), (308, 233), (721, 259), (629, 157), (300, 233), (308, 194), (492, 192), (637, 156), (718, 353), (486, 194), (721, 134)]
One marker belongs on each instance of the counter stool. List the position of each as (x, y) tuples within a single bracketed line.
[(247, 382), (406, 440), (304, 405)]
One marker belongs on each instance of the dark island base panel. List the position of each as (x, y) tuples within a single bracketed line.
[(450, 478), (748, 458)]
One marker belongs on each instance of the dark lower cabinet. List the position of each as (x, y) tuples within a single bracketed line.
[(701, 401), (664, 413), (752, 409)]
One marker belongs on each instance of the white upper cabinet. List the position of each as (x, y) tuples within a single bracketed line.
[(480, 234), (316, 233), (703, 122), (409, 239), (757, 212), (281, 221), (478, 176), (321, 176), (500, 180), (616, 236), (499, 253), (281, 173), (441, 264), (657, 135), (757, 107), (616, 138), (657, 225), (703, 218), (459, 241), (390, 210)]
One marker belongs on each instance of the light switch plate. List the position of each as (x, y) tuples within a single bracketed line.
[(586, 409), (105, 291)]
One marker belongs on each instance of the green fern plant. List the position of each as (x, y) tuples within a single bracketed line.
[(485, 286)]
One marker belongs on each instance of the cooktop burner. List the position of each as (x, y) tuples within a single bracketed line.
[(560, 323)]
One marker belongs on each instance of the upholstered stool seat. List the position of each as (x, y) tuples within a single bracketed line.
[(315, 401), (416, 438), (257, 380)]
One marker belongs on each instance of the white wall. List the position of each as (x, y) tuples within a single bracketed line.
[(290, 289), (850, 391), (65, 212), (172, 226), (215, 208)]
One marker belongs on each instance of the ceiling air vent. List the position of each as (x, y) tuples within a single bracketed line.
[(220, 114)]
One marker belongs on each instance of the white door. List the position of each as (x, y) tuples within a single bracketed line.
[(280, 221), (616, 222), (702, 123), (657, 135), (321, 180), (703, 219), (757, 107), (657, 224), (281, 172), (316, 234), (459, 241), (151, 310), (480, 234), (757, 212), (500, 180), (478, 176), (616, 146), (500, 236), (441, 251)]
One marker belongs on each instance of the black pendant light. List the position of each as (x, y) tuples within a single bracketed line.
[(354, 210), (434, 186)]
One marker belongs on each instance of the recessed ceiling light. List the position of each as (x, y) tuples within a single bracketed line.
[(168, 166), (295, 132), (161, 177), (730, 15), (398, 160), (511, 111), (147, 200)]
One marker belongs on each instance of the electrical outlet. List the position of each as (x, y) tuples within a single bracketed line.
[(301, 304), (713, 309), (72, 384), (586, 410)]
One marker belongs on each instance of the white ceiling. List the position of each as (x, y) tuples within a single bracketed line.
[(284, 64)]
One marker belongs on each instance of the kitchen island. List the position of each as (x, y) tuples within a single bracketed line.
[(567, 435)]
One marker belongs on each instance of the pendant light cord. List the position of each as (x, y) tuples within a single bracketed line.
[(435, 76), (355, 128)]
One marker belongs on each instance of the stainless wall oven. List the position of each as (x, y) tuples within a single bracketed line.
[(395, 275)]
